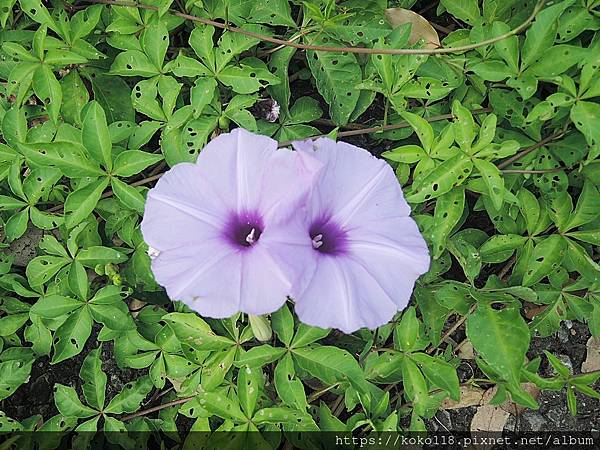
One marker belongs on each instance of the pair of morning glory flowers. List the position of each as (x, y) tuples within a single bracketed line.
[(248, 226)]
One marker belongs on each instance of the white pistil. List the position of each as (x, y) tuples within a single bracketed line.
[(250, 238), (317, 241)]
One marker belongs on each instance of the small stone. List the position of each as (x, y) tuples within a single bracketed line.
[(534, 419)]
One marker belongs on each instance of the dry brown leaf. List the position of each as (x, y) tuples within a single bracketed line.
[(421, 28), (489, 418), (469, 396), (466, 350), (592, 359)]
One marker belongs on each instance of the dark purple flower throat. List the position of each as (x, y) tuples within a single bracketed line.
[(243, 230), (328, 237)]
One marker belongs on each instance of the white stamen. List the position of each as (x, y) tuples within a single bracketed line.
[(317, 241), (153, 253), (250, 238)]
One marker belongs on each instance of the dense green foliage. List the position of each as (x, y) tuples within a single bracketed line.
[(97, 100)]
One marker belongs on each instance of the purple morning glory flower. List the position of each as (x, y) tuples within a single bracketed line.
[(365, 251), (218, 228)]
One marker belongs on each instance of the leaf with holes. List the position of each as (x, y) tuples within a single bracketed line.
[(133, 63), (448, 211), (71, 336), (69, 157), (13, 373), (501, 337), (546, 256), (47, 88), (43, 268), (446, 176), (68, 404), (493, 181), (251, 75), (131, 397), (336, 75), (585, 116)]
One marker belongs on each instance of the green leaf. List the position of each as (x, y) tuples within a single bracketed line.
[(501, 337), (500, 247), (251, 75), (52, 306), (448, 175), (155, 42), (39, 183), (259, 356), (507, 48), (463, 126), (69, 157), (307, 335), (336, 76), (133, 63), (113, 94), (68, 403), (331, 365), (422, 128), (43, 268), (448, 211), (201, 94), (132, 162), (542, 33), (249, 386), (13, 373), (78, 280), (81, 203), (546, 256), (16, 225), (587, 207), (129, 195), (493, 181), (94, 255), (282, 323), (582, 261), (585, 116), (465, 10), (195, 332), (72, 335), (94, 379), (47, 88), (289, 388), (95, 135), (408, 330), (131, 397), (440, 373), (221, 406)]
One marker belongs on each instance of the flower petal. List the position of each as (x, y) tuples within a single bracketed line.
[(394, 260), (342, 294), (264, 285), (181, 209), (353, 185)]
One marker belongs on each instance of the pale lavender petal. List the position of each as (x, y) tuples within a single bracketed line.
[(205, 276), (342, 294), (264, 285), (353, 184), (181, 209)]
